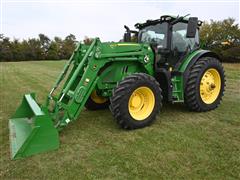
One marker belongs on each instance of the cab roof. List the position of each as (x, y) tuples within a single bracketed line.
[(164, 18)]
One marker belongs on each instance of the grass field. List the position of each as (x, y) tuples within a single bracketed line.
[(180, 144)]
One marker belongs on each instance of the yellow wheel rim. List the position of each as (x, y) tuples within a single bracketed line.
[(141, 103), (97, 99), (210, 86)]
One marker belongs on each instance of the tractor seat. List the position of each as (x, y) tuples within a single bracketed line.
[(178, 42)]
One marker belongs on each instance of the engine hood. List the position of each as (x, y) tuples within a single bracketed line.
[(121, 47)]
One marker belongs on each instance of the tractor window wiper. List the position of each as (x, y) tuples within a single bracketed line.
[(178, 19)]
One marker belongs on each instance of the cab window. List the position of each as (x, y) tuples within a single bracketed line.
[(180, 42), (155, 34)]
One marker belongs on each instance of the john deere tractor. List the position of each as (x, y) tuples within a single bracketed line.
[(165, 63)]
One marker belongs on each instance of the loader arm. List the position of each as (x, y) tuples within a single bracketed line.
[(78, 86), (83, 78), (34, 128)]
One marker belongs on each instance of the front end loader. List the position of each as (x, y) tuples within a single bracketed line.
[(131, 78)]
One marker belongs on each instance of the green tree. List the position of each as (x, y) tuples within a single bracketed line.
[(69, 44), (87, 40), (5, 49), (45, 43), (217, 32), (36, 52), (53, 51), (59, 48), (219, 36), (17, 51)]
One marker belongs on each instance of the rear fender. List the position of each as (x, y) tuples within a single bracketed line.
[(191, 60)]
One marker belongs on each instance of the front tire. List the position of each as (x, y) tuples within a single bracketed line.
[(136, 101), (205, 85)]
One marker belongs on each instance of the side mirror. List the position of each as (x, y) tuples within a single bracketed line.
[(127, 37), (192, 27)]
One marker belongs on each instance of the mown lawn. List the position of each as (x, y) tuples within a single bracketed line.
[(180, 144)]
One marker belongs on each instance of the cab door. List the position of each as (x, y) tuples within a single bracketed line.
[(181, 45)]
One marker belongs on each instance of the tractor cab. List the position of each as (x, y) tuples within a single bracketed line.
[(170, 37)]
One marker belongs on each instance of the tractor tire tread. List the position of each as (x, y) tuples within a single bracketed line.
[(120, 91), (191, 99)]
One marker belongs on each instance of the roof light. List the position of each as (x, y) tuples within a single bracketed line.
[(168, 18)]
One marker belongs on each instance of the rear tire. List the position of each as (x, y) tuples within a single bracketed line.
[(136, 101), (205, 85)]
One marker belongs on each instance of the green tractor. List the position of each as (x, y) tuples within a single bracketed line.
[(131, 78)]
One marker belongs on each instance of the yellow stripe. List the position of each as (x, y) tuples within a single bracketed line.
[(128, 44)]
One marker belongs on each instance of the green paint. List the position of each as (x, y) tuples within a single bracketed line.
[(178, 92), (177, 81), (31, 130), (100, 66), (188, 59)]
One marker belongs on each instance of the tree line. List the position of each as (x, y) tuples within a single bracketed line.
[(222, 37), (41, 48)]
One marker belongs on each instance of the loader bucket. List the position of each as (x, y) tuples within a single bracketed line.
[(31, 130)]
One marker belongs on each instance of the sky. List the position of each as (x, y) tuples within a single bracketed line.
[(22, 19)]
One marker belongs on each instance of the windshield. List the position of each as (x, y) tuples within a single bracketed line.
[(154, 34)]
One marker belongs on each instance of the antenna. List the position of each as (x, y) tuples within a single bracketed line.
[(186, 15)]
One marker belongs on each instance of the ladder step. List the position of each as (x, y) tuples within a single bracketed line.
[(176, 91), (70, 93), (175, 80)]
